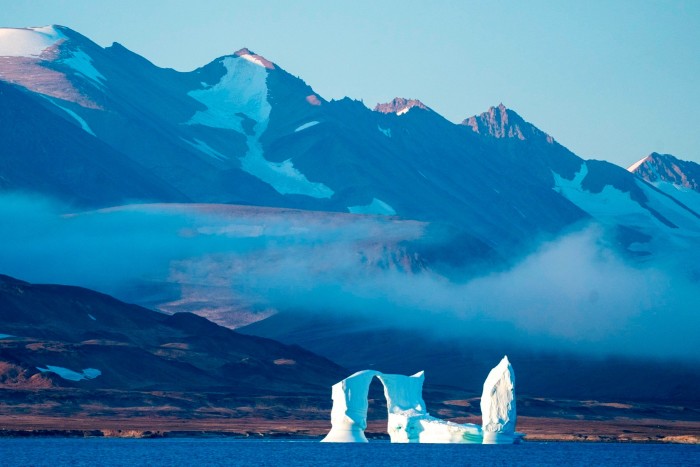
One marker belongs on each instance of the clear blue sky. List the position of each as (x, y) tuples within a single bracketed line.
[(611, 80)]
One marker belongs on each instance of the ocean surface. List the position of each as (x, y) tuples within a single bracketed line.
[(232, 452)]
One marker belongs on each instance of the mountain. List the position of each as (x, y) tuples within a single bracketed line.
[(667, 168), (69, 330), (241, 130), (65, 161), (675, 177), (236, 192)]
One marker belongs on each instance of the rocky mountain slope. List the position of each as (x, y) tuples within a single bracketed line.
[(242, 130), (56, 337)]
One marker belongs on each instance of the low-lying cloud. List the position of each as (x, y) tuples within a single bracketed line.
[(574, 292)]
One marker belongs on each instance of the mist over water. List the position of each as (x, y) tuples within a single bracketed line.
[(574, 293)]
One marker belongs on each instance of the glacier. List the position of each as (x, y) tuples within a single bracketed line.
[(408, 420)]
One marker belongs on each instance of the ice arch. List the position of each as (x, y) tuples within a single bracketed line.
[(409, 421)]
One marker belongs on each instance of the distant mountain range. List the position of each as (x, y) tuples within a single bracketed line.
[(322, 198)]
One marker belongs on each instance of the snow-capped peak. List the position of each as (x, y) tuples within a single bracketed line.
[(28, 42), (400, 106), (255, 58), (632, 168), (657, 167)]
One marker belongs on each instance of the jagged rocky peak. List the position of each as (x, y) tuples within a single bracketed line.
[(400, 106), (502, 122), (667, 168), (254, 58)]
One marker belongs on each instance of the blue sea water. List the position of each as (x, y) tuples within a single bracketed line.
[(232, 452)]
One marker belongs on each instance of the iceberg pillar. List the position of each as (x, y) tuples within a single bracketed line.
[(405, 406), (349, 412), (498, 405)]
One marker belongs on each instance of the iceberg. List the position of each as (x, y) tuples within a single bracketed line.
[(349, 412), (498, 405), (408, 420)]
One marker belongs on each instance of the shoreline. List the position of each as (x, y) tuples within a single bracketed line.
[(655, 431)]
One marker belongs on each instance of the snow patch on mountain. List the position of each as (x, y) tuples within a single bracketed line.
[(687, 196), (70, 375), (610, 202), (283, 176), (254, 58), (242, 90), (674, 212), (613, 206), (242, 93), (386, 132), (83, 124), (305, 126), (28, 42), (203, 147), (82, 63), (377, 206)]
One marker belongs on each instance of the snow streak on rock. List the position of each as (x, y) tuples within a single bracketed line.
[(242, 94), (305, 126), (70, 375), (377, 206), (82, 63), (81, 121)]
